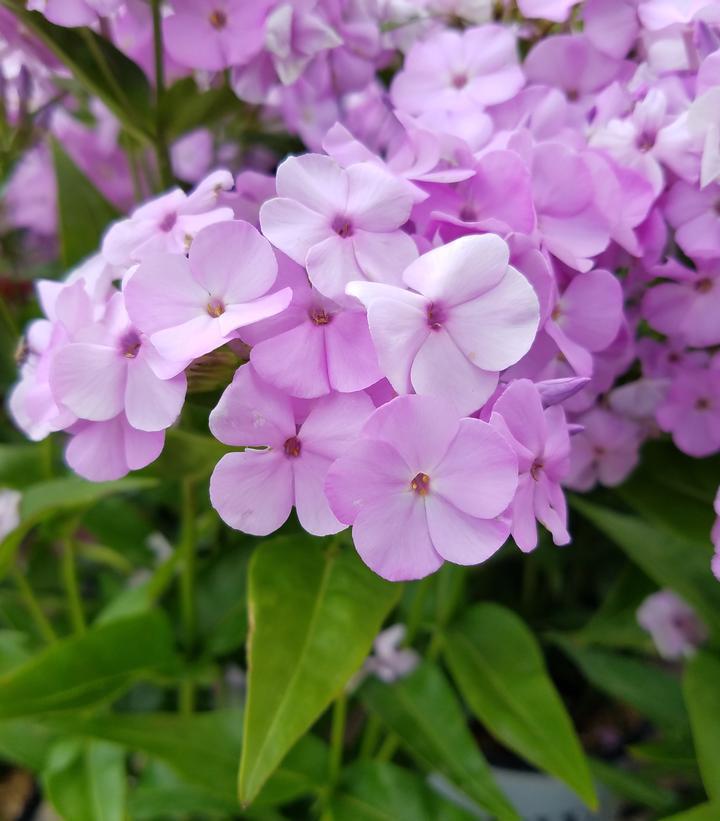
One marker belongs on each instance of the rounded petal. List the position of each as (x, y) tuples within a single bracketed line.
[(232, 261), (591, 309), (367, 473), (377, 201), (294, 361), (392, 538), (152, 403), (498, 328), (252, 413), (461, 538), (89, 380), (331, 265), (253, 491), (334, 423), (246, 313), (293, 227), (162, 293), (461, 270), (196, 337), (442, 369), (313, 509), (316, 181), (521, 409), (352, 363), (420, 428), (382, 257), (479, 473)]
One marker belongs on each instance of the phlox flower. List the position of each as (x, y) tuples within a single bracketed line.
[(286, 457), (75, 12), (421, 486), (190, 306), (168, 223), (675, 627), (611, 27), (541, 441), (315, 346), (109, 367), (215, 34), (470, 316), (604, 451), (556, 10), (691, 411), (689, 307), (340, 223), (453, 70)]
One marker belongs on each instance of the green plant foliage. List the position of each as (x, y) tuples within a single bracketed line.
[(701, 686), (498, 666), (314, 611), (425, 713)]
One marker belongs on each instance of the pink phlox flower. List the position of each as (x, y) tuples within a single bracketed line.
[(539, 437), (556, 10), (190, 306), (695, 215), (168, 223), (687, 308), (691, 411), (342, 224), (284, 463), (675, 628), (470, 316), (421, 486), (605, 451), (109, 367)]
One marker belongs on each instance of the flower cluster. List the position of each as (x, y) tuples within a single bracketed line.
[(494, 278)]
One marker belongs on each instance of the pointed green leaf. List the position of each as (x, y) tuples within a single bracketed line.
[(84, 213), (703, 812), (671, 560), (88, 669), (701, 686), (651, 691), (498, 666), (313, 615), (424, 711), (85, 781)]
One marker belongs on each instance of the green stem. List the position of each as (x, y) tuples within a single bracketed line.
[(161, 148), (371, 736), (72, 587), (186, 550), (33, 607), (416, 609), (337, 736)]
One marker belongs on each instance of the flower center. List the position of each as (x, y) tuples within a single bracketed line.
[(536, 469), (468, 214), (216, 307), (436, 315), (460, 80), (702, 286), (292, 447), (421, 484), (702, 404), (168, 222), (320, 316), (342, 227), (645, 142), (573, 95), (130, 345), (218, 19)]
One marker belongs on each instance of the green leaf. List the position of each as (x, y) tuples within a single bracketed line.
[(150, 803), (56, 496), (633, 786), (498, 666), (701, 686), (669, 559), (85, 781), (651, 691), (374, 791), (424, 711), (84, 213), (14, 649), (203, 750), (88, 669), (22, 465), (187, 108), (26, 743), (703, 812), (313, 615), (222, 602), (188, 455), (103, 70)]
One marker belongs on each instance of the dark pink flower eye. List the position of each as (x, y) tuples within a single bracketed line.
[(292, 447)]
